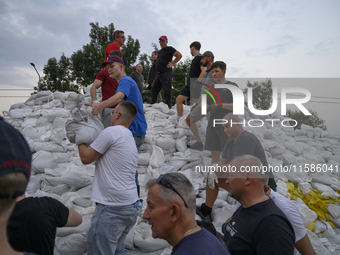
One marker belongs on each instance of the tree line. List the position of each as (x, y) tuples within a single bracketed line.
[(80, 70)]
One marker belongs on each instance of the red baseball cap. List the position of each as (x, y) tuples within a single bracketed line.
[(163, 37)]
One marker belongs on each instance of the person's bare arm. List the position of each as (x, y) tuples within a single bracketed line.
[(115, 99), (87, 154), (304, 246), (74, 219), (177, 56), (203, 71), (228, 106), (96, 84)]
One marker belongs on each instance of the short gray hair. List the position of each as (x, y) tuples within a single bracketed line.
[(252, 161), (184, 187)]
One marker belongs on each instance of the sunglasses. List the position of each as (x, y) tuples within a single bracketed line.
[(162, 180)]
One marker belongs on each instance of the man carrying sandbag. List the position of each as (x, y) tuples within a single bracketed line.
[(114, 188)]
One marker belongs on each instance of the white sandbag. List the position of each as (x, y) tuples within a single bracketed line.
[(30, 133), (72, 244), (20, 113), (60, 189), (70, 104), (307, 215), (165, 143), (16, 106), (39, 166), (222, 194), (34, 184), (277, 150), (82, 126), (304, 187), (334, 210), (318, 247), (58, 135), (183, 132), (320, 227), (73, 179), (41, 193), (220, 215), (82, 201), (151, 138), (62, 157), (294, 147), (157, 157), (29, 122), (142, 169), (282, 188), (59, 95), (143, 159), (144, 241), (41, 121), (325, 190), (48, 146), (59, 122), (161, 106), (82, 228), (54, 113), (181, 144)]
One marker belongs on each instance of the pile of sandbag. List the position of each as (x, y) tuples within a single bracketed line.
[(58, 172)]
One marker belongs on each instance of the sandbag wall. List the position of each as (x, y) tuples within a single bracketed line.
[(58, 172)]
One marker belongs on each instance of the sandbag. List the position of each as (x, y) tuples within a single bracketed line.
[(82, 126)]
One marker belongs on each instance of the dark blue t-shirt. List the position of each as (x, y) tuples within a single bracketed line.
[(130, 89), (200, 243), (260, 229)]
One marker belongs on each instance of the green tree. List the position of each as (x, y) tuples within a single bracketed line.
[(311, 120), (86, 62), (262, 93), (57, 76), (180, 78)]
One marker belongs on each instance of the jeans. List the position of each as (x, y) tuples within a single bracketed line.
[(109, 228)]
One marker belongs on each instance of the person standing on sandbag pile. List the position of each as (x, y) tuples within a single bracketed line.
[(15, 171), (34, 222), (114, 188), (164, 66), (109, 87), (171, 214), (127, 90), (240, 143), (137, 76)]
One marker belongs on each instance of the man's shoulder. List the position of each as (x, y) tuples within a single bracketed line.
[(231, 83)]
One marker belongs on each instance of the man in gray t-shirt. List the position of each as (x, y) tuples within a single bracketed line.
[(138, 77)]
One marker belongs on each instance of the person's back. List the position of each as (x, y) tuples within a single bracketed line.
[(33, 223)]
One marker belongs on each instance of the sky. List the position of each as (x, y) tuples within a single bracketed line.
[(257, 39)]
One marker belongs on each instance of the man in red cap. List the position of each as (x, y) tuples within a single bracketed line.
[(164, 66)]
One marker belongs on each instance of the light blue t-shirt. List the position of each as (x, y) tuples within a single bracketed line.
[(130, 89)]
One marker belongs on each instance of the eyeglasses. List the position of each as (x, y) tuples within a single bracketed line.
[(162, 40), (123, 37), (162, 180)]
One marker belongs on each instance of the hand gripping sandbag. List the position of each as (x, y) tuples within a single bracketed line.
[(82, 126)]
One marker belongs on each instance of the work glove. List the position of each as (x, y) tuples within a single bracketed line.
[(212, 177)]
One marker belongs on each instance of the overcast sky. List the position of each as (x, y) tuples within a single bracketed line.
[(275, 39)]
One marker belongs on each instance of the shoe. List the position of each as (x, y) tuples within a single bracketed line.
[(199, 213), (197, 146)]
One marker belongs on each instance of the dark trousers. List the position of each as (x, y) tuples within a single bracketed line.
[(162, 80)]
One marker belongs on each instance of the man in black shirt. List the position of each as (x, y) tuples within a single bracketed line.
[(164, 66), (258, 226), (197, 71)]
